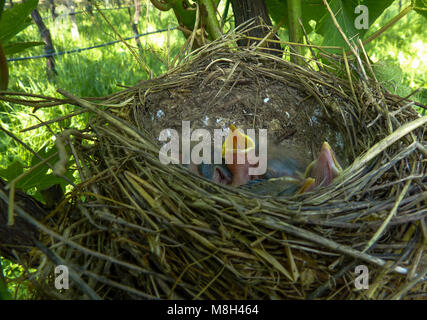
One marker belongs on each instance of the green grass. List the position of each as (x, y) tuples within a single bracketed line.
[(96, 72)]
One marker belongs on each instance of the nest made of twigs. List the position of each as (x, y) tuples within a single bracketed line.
[(135, 228)]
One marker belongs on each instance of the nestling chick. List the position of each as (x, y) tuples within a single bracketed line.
[(217, 173), (237, 145), (324, 169)]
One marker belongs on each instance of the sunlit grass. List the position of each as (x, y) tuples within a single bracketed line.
[(110, 65), (96, 72)]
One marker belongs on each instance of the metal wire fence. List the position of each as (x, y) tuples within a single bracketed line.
[(60, 53), (85, 11)]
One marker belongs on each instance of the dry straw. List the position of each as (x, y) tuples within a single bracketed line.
[(135, 228)]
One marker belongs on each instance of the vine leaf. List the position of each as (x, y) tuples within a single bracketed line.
[(421, 7), (344, 12), (16, 19)]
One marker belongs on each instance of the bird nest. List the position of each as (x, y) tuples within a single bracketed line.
[(136, 228)]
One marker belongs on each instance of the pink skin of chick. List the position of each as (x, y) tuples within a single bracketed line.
[(325, 169), (238, 145)]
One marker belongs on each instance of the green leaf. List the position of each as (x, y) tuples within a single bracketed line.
[(12, 48), (4, 293), (12, 171), (2, 3), (390, 75), (41, 181), (421, 7), (344, 11), (376, 8), (310, 10), (388, 71), (44, 152), (39, 178), (48, 181), (16, 19), (277, 9), (422, 96), (183, 12)]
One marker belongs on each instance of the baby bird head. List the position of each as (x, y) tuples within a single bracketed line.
[(236, 149), (325, 168)]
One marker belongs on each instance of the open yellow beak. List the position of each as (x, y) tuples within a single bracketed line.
[(325, 168), (308, 185), (237, 141)]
